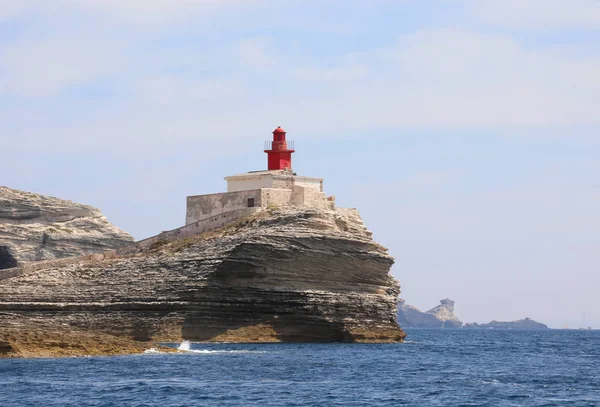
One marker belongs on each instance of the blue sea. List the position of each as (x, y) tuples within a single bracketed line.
[(433, 368)]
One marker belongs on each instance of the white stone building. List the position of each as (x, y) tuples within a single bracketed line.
[(261, 189), (249, 193)]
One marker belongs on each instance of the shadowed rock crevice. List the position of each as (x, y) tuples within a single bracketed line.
[(5, 348), (6, 259)]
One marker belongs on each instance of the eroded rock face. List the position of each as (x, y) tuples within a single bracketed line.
[(21, 336), (285, 275), (441, 316), (36, 227)]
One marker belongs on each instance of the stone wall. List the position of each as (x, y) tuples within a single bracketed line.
[(201, 207), (254, 181), (193, 229), (210, 212), (315, 198), (311, 197), (271, 179), (283, 181), (250, 182), (271, 197), (307, 182)]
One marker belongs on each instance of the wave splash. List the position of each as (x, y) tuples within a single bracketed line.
[(186, 347)]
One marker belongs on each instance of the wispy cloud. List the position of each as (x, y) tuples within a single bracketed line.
[(42, 67), (148, 11), (159, 88), (132, 104), (542, 15)]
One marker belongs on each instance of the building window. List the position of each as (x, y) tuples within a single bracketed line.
[(250, 202)]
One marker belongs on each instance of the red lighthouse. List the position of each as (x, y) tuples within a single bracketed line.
[(279, 151)]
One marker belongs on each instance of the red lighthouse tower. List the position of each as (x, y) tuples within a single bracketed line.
[(279, 151)]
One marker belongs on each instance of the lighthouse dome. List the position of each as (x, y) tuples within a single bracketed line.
[(279, 130)]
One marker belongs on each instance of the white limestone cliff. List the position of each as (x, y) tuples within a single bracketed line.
[(35, 227)]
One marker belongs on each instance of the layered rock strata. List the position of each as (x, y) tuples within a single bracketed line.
[(35, 227), (289, 274), (24, 336)]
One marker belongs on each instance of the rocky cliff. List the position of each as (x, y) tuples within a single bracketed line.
[(441, 316), (36, 227), (527, 324), (290, 274)]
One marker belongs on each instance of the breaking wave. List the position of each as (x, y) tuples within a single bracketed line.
[(186, 347)]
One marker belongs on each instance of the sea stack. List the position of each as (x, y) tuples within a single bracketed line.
[(441, 316), (270, 260)]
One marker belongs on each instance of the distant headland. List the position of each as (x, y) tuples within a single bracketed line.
[(443, 316), (527, 323)]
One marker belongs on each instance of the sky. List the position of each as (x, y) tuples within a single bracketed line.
[(467, 132)]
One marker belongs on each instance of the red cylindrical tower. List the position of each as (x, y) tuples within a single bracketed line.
[(279, 151)]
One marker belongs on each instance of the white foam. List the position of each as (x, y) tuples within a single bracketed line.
[(222, 351), (185, 346)]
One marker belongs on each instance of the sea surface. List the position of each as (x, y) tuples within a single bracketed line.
[(433, 368)]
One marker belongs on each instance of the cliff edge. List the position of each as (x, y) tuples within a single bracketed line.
[(291, 274), (35, 227)]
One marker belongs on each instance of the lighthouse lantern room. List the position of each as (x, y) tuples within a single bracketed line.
[(279, 178), (279, 151)]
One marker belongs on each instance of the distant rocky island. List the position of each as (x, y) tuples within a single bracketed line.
[(527, 324), (443, 316)]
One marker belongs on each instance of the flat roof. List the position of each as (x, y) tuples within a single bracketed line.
[(260, 173)]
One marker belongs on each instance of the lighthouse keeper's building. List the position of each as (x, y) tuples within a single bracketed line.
[(248, 193), (277, 186)]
